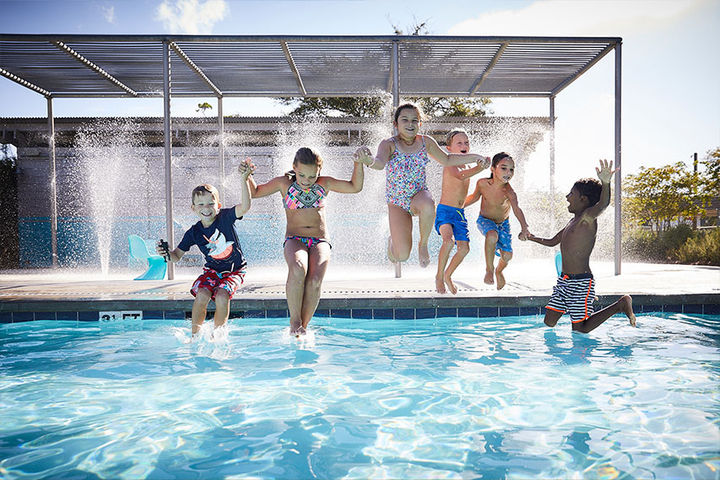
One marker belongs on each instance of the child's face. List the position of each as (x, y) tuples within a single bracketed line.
[(306, 175), (459, 144), (205, 207), (408, 123), (504, 170), (576, 202)]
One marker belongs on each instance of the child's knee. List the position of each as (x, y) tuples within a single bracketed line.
[(203, 296), (506, 256), (463, 248), (491, 236)]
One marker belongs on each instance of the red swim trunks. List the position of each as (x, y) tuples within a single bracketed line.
[(212, 281)]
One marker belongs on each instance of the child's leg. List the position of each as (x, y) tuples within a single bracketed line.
[(222, 307), (423, 206), (400, 233), (552, 317), (319, 257), (505, 257), (199, 308), (491, 238), (624, 304), (446, 232), (296, 256), (463, 248)]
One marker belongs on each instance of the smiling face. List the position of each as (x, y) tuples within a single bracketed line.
[(459, 143), (205, 207), (504, 170), (306, 175), (408, 123)]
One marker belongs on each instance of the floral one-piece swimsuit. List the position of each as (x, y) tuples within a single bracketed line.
[(405, 176)]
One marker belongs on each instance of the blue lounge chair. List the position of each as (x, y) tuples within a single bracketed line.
[(558, 263), (157, 266)]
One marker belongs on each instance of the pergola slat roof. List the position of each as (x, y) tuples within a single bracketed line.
[(292, 66)]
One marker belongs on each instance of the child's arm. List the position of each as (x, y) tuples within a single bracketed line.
[(604, 173), (512, 197), (265, 189), (354, 185), (548, 242), (385, 149), (474, 196), (246, 169), (453, 159), (171, 256)]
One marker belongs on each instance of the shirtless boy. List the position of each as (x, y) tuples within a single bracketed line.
[(575, 288), (450, 221)]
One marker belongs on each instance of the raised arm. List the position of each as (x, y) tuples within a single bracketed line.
[(604, 173), (385, 149), (246, 168), (265, 189), (463, 173), (354, 185), (453, 159)]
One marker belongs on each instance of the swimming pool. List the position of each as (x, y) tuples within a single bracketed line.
[(441, 398)]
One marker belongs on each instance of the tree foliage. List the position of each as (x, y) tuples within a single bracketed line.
[(656, 197)]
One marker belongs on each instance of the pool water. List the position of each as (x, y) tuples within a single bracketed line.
[(438, 398)]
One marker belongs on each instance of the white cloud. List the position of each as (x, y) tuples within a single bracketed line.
[(579, 18), (191, 16), (109, 14)]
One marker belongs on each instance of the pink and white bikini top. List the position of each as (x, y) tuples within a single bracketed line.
[(296, 197)]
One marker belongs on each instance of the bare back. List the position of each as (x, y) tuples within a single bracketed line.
[(576, 244)]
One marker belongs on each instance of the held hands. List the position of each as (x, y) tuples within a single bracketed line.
[(484, 162), (246, 168), (605, 172), (524, 235), (163, 249), (364, 156)]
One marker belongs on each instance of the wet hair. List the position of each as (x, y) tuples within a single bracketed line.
[(497, 158), (304, 156), (589, 187), (451, 134), (204, 189), (408, 105)]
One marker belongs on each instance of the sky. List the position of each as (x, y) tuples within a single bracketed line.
[(670, 60)]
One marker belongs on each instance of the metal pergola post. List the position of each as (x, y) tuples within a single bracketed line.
[(53, 183), (221, 148), (618, 158), (395, 75), (168, 156), (552, 145)]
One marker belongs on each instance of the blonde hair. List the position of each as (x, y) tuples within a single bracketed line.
[(451, 134)]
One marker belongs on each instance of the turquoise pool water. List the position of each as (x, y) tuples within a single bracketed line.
[(440, 398)]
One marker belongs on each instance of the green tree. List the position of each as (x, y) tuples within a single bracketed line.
[(710, 180)]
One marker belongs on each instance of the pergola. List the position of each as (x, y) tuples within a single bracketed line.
[(161, 66)]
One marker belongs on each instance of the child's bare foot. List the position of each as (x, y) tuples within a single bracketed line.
[(626, 308), (296, 328), (451, 286), (423, 255), (489, 277), (439, 284), (500, 279)]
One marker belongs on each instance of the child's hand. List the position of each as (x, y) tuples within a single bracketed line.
[(363, 155), (524, 235), (246, 168), (528, 236), (162, 248), (485, 162), (605, 172)]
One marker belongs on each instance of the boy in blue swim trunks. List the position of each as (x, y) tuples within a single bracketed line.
[(575, 289), (498, 198), (214, 234), (450, 221)]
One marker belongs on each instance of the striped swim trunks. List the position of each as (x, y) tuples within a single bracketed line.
[(573, 294)]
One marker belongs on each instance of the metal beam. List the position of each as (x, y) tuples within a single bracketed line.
[(195, 68), (489, 68), (552, 145), (293, 67), (584, 69), (53, 183), (221, 148), (93, 67), (395, 61), (618, 158), (169, 223), (24, 83)]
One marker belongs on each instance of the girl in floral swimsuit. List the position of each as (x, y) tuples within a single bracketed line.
[(405, 157), (306, 247)]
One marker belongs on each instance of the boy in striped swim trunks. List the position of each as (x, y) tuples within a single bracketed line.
[(575, 288)]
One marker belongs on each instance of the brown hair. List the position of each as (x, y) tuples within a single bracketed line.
[(305, 156), (408, 105), (451, 134), (589, 187), (206, 188), (497, 158)]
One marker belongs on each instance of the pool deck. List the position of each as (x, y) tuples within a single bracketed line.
[(354, 291)]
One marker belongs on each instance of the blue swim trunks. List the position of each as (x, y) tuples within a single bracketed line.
[(504, 242), (453, 216)]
